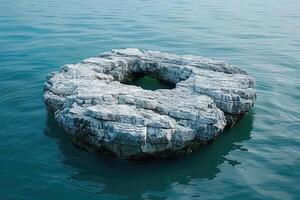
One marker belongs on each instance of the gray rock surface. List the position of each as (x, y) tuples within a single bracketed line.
[(101, 114)]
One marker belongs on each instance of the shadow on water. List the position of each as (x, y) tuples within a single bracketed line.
[(132, 178)]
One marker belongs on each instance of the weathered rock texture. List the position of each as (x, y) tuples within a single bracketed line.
[(101, 114)]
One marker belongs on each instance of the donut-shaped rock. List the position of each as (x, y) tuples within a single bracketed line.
[(102, 114)]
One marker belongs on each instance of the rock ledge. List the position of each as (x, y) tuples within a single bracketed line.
[(101, 114)]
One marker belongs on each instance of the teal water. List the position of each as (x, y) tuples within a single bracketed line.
[(257, 159), (148, 82)]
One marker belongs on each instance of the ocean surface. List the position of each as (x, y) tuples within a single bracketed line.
[(259, 158)]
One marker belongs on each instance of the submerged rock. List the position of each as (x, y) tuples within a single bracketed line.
[(102, 114)]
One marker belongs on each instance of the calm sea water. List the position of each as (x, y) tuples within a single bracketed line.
[(257, 159)]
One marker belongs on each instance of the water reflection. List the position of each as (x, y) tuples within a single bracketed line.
[(133, 178)]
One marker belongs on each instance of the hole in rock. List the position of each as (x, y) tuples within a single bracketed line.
[(148, 82)]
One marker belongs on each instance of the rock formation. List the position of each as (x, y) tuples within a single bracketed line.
[(102, 114)]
